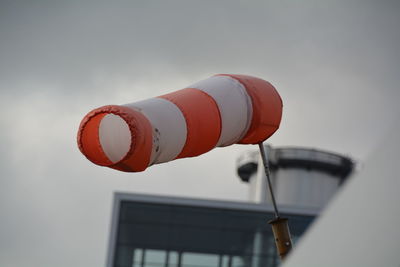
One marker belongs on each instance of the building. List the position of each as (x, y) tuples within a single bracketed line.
[(361, 225), (301, 177), (159, 231)]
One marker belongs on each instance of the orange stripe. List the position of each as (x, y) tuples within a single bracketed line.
[(267, 108), (202, 117), (88, 139), (138, 156)]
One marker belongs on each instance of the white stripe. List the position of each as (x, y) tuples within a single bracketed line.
[(114, 137), (234, 105), (169, 127)]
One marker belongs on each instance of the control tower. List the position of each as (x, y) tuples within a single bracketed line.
[(301, 177)]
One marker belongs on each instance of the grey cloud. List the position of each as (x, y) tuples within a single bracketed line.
[(335, 64)]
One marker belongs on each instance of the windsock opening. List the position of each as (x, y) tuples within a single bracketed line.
[(116, 136)]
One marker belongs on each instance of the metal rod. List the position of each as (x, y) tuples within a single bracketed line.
[(267, 174), (280, 227)]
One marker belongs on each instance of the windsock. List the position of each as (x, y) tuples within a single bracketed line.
[(219, 111)]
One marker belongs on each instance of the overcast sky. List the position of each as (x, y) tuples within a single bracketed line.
[(336, 65)]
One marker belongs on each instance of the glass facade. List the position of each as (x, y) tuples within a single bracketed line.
[(171, 235)]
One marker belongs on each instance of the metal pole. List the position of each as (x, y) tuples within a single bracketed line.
[(264, 158), (280, 227)]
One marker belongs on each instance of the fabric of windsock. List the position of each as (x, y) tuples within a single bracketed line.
[(219, 111)]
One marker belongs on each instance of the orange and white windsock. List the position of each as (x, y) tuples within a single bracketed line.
[(219, 111)]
